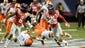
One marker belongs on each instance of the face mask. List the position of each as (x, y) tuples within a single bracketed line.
[(51, 11)]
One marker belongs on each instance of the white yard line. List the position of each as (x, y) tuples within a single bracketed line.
[(63, 30), (2, 33), (70, 30)]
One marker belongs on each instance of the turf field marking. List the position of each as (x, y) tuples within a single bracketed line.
[(2, 33), (70, 30), (63, 30)]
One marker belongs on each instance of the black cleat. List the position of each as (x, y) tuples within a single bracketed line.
[(15, 40), (58, 43)]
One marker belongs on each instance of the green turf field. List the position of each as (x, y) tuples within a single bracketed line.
[(77, 33)]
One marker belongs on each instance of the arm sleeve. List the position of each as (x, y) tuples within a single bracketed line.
[(61, 17)]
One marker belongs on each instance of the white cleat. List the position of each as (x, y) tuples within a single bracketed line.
[(64, 43), (5, 46), (1, 41)]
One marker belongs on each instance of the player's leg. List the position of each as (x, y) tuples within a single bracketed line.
[(17, 32), (60, 33), (56, 38), (1, 19), (12, 34), (67, 35), (41, 39), (8, 28), (8, 40)]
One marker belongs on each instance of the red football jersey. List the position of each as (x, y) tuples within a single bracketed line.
[(53, 18)]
